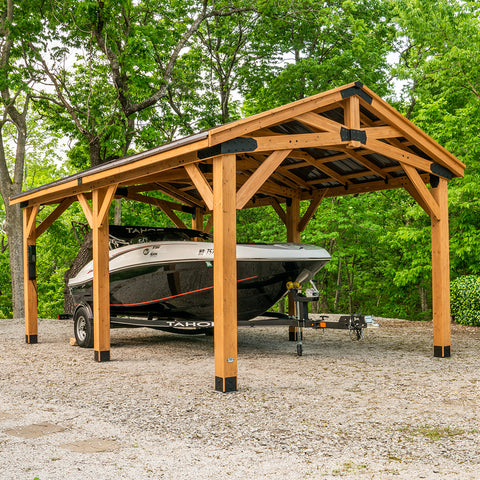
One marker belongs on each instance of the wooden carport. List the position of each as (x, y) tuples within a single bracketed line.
[(340, 142)]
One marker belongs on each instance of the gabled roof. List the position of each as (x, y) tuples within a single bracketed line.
[(346, 140)]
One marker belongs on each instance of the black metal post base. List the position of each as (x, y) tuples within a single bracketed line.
[(225, 385), (292, 334), (31, 338), (441, 351), (102, 356)]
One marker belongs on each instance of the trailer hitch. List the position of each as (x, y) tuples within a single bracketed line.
[(355, 324)]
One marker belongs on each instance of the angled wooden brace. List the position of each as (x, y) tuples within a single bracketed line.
[(260, 176), (53, 216), (420, 192), (201, 183), (87, 209)]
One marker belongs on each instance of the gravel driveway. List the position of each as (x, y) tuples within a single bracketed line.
[(381, 408)]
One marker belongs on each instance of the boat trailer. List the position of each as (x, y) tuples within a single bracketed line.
[(355, 324)]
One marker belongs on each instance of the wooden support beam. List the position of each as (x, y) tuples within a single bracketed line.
[(53, 216), (280, 211), (402, 156), (101, 200), (259, 177), (410, 131), (156, 202), (225, 272), (201, 183), (351, 188), (356, 155), (277, 115), (319, 164), (314, 203), (197, 220), (29, 273), (87, 210), (441, 273), (351, 114), (209, 225), (305, 140), (177, 194), (319, 122), (427, 202), (166, 207)]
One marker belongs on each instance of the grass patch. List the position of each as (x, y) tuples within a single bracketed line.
[(433, 433)]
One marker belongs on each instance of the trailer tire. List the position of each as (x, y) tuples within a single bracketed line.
[(83, 327)]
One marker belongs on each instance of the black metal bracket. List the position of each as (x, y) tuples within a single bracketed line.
[(351, 134), (235, 145), (357, 90), (440, 170)]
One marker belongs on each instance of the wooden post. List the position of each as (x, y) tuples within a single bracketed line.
[(101, 200), (225, 272), (440, 271), (352, 116), (30, 273), (293, 235), (197, 220)]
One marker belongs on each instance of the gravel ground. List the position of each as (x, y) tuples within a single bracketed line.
[(382, 407)]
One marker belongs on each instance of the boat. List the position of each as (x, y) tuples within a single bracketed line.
[(161, 277)]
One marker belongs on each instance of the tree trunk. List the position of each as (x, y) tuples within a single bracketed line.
[(423, 298), (117, 219), (339, 285), (95, 158), (14, 230)]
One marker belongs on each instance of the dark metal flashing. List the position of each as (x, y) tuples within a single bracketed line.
[(230, 384), (236, 145), (441, 352), (440, 170), (434, 181), (103, 356), (350, 134), (356, 90)]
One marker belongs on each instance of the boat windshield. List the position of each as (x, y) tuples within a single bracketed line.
[(122, 235)]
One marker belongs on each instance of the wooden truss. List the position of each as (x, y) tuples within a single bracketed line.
[(340, 142)]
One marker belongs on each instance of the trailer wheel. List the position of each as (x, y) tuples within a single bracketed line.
[(83, 327)]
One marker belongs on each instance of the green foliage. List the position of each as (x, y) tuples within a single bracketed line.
[(305, 47), (267, 53), (465, 300), (5, 286)]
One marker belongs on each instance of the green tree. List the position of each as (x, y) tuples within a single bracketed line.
[(439, 42), (19, 23), (305, 47), (127, 55)]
